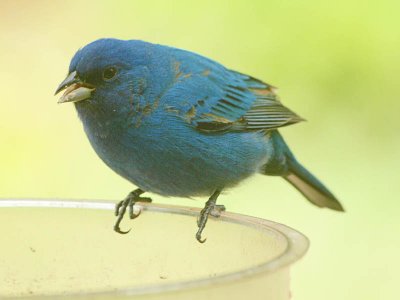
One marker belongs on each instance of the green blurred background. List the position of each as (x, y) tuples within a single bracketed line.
[(337, 64)]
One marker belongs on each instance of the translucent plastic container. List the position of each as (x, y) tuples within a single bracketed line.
[(68, 249)]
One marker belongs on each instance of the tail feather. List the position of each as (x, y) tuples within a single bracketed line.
[(310, 186), (283, 163)]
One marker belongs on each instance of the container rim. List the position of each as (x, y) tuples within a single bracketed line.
[(297, 245)]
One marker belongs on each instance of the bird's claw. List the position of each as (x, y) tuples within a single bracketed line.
[(201, 222), (117, 207), (132, 214), (128, 202), (215, 212), (118, 229), (211, 208), (199, 239)]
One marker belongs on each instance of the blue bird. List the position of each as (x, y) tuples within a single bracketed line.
[(175, 123)]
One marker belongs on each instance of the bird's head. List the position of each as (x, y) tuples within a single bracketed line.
[(100, 75)]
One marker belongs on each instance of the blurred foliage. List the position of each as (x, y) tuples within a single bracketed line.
[(337, 64)]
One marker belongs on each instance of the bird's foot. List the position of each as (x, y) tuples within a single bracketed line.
[(218, 209), (215, 212), (211, 208), (129, 202)]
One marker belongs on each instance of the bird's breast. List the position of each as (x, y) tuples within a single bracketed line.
[(166, 156)]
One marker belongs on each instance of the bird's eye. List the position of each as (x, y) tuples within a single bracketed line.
[(109, 73)]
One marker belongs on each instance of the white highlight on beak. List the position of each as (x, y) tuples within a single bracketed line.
[(76, 92)]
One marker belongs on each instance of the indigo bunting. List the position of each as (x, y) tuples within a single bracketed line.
[(175, 123)]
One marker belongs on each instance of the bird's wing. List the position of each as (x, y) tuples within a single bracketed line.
[(246, 104), (212, 98)]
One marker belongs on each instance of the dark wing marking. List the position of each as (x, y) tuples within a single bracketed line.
[(245, 104)]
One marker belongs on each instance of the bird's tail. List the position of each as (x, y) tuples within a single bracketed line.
[(310, 186), (284, 164)]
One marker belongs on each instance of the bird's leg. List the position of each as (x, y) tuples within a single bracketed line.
[(129, 201), (210, 208)]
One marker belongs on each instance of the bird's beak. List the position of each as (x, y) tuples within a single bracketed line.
[(75, 89)]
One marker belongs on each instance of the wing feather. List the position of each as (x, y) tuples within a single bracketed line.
[(247, 104)]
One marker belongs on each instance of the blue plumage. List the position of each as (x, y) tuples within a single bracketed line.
[(178, 124)]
